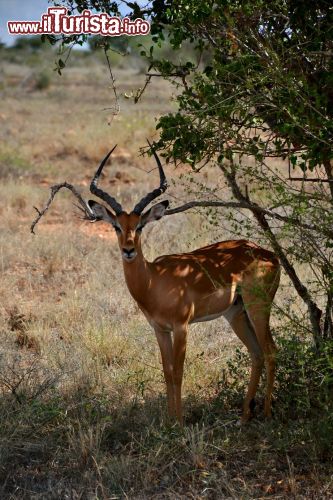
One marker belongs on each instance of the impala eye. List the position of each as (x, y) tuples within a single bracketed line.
[(117, 229), (139, 229)]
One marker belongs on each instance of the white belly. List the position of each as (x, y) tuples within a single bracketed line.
[(228, 314)]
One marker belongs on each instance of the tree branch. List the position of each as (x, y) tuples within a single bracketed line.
[(88, 213), (250, 205), (314, 312)]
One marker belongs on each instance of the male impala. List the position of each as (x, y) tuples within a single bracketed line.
[(236, 279)]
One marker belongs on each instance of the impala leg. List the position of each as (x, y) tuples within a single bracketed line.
[(165, 344), (179, 350), (241, 326), (258, 312)]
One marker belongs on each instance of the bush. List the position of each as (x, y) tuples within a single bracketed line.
[(304, 381), (42, 81), (304, 377), (30, 43)]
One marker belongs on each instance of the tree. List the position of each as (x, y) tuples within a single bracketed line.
[(263, 92), (266, 93)]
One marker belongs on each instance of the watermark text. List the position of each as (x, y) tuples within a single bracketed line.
[(57, 22)]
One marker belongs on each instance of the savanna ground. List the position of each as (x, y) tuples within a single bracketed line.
[(82, 405)]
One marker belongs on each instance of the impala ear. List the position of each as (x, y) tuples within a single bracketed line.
[(156, 212), (101, 212)]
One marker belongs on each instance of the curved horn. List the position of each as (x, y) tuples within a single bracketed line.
[(156, 192), (102, 194)]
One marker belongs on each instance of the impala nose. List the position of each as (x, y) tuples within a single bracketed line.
[(129, 253)]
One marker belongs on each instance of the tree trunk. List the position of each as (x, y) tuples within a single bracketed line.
[(314, 312), (329, 173)]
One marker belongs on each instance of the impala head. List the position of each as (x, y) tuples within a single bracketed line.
[(128, 226)]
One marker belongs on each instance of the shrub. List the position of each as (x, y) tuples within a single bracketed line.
[(30, 43), (42, 81)]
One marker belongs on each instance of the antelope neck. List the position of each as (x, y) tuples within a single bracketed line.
[(137, 275)]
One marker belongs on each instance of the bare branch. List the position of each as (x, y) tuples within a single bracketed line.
[(250, 206), (116, 108), (89, 215), (193, 204)]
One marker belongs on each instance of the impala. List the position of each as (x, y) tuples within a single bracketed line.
[(236, 279)]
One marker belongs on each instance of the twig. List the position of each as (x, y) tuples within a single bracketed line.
[(141, 91), (116, 108)]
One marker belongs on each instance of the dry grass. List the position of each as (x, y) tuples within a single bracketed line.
[(82, 406)]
